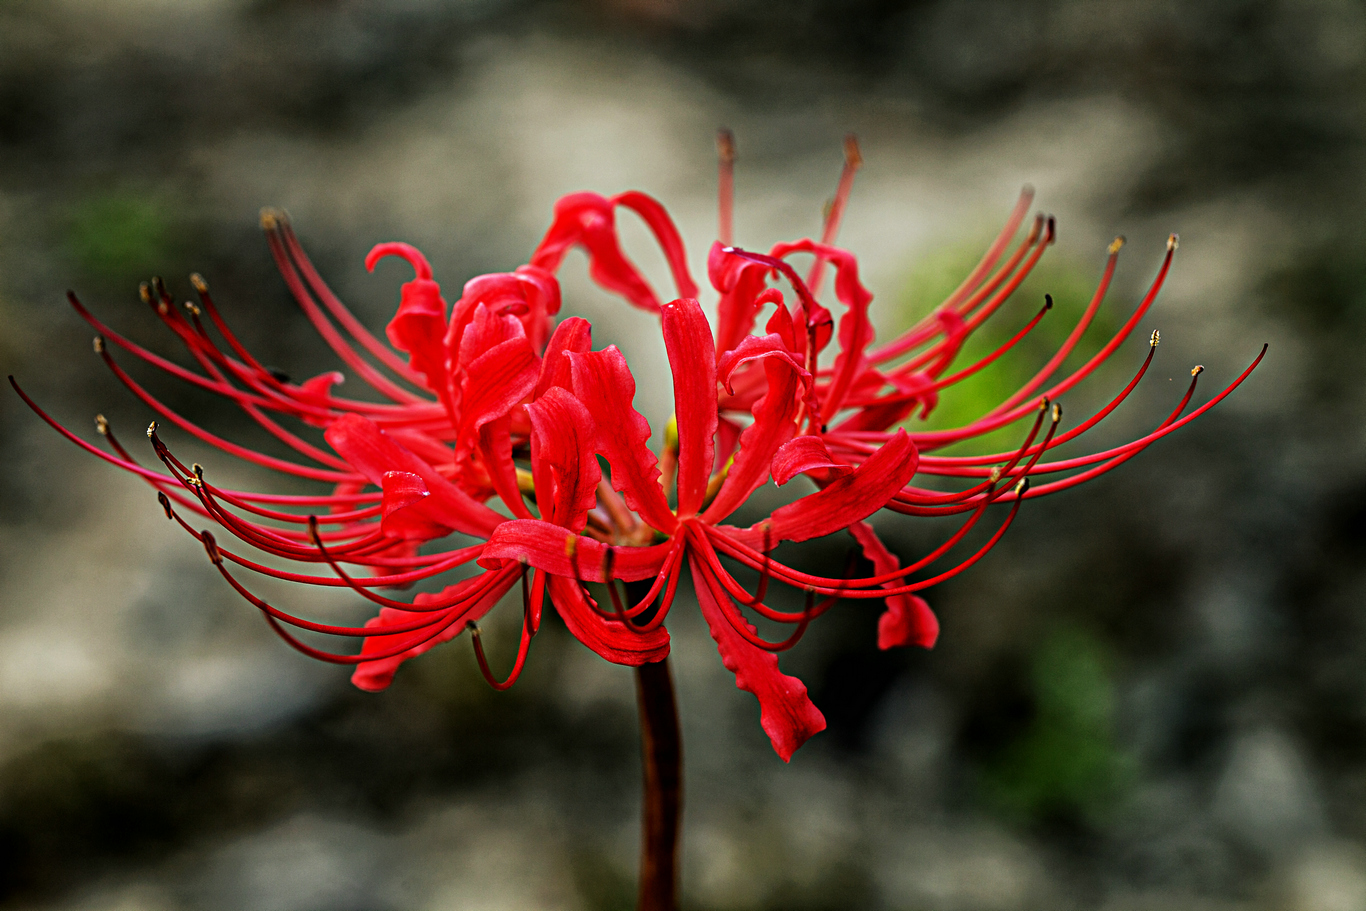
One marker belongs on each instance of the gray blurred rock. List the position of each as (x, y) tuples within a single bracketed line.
[(1266, 797), (1330, 876)]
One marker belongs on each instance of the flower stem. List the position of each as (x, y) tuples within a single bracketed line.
[(661, 757)]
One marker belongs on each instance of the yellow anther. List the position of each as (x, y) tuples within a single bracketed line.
[(671, 433)]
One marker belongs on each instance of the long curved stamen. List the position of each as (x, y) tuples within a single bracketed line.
[(938, 357), (270, 222), (434, 605), (1104, 353), (1017, 497), (929, 326), (923, 502), (967, 371), (447, 561), (944, 465), (353, 632), (766, 572), (1121, 454), (741, 626), (523, 646), (339, 310), (241, 452), (725, 186), (853, 158)]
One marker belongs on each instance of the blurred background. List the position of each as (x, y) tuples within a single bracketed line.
[(1151, 695)]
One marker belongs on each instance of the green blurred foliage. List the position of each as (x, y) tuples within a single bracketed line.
[(120, 234), (935, 276), (1066, 762)]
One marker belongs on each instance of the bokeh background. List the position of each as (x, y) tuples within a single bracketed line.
[(1152, 695)]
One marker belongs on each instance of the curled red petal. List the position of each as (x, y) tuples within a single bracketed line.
[(562, 460), (786, 713), (657, 219), (587, 219), (420, 323), (802, 454), (376, 675), (573, 335), (604, 384), (609, 638)]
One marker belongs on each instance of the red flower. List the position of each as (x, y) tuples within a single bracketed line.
[(488, 387)]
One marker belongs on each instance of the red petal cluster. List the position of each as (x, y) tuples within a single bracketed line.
[(491, 429)]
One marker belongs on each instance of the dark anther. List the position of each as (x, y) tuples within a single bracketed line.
[(1048, 302), (165, 502), (211, 546)]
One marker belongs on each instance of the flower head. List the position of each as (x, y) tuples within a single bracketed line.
[(491, 419)]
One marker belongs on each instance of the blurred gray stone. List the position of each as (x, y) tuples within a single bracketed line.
[(1330, 876), (968, 868), (1266, 798), (305, 864)]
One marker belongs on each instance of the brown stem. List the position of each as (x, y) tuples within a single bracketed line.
[(661, 757)]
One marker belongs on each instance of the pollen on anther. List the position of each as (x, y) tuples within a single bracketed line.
[(1155, 338), (151, 430), (98, 344), (145, 292), (1173, 241), (995, 474), (1057, 412), (1197, 369), (199, 284), (1116, 244), (1021, 486), (102, 425), (270, 219), (191, 308)]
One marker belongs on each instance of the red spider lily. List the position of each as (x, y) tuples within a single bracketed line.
[(487, 387)]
